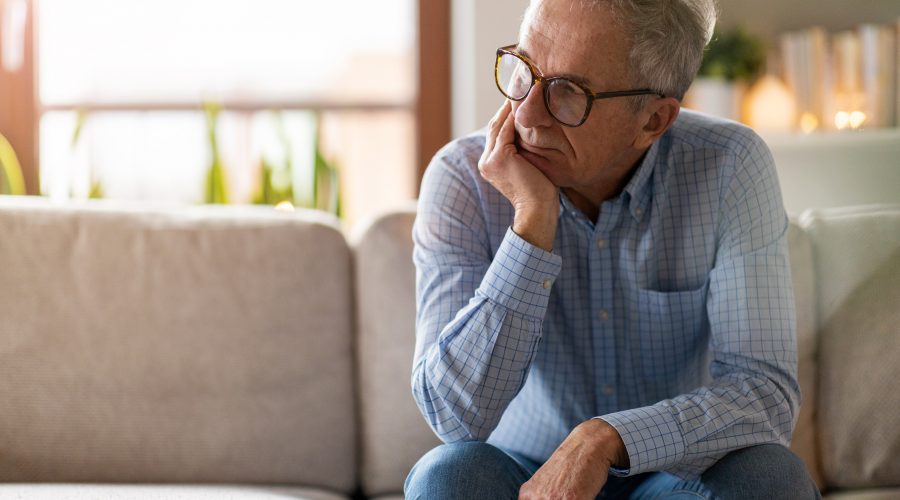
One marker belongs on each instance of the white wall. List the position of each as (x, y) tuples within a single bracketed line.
[(837, 169), (478, 28)]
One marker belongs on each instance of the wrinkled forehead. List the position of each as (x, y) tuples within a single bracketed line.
[(567, 36)]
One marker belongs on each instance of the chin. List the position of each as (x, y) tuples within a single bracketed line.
[(550, 169)]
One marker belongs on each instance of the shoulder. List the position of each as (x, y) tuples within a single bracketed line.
[(694, 131), (453, 186), (455, 166), (717, 151)]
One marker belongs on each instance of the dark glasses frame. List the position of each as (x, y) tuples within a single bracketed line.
[(538, 76)]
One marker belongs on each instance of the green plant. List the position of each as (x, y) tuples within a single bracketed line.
[(11, 180), (276, 181), (326, 182), (96, 189), (735, 55), (215, 177)]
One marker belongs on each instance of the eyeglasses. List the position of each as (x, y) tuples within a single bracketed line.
[(568, 102)]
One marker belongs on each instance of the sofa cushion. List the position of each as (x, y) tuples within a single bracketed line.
[(394, 434), (155, 492), (201, 344), (875, 494), (804, 438), (857, 258)]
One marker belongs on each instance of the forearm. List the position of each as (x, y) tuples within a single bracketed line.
[(464, 379), (464, 382), (688, 433)]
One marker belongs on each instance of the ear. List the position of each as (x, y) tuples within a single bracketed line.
[(658, 116)]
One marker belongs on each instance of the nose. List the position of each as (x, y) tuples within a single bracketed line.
[(531, 111)]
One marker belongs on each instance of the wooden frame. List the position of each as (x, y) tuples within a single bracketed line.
[(433, 102), (18, 98)]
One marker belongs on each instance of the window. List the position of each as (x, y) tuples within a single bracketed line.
[(122, 84)]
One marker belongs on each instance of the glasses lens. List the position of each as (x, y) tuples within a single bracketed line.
[(513, 77), (567, 102)]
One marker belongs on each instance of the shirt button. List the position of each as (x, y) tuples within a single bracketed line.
[(547, 283), (601, 244), (638, 212), (604, 314), (608, 390)]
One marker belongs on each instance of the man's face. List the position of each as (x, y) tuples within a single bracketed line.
[(564, 40)]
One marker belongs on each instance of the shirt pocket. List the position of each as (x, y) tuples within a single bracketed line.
[(668, 335)]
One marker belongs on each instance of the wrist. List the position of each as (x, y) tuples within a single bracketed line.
[(607, 443), (537, 225)]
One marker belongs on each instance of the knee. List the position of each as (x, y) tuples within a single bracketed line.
[(468, 469), (768, 471)]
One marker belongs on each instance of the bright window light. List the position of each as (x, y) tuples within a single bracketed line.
[(141, 67), (191, 50)]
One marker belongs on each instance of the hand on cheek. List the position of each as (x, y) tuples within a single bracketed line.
[(534, 198)]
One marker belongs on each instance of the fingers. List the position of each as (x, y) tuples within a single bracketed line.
[(495, 124), (507, 133)]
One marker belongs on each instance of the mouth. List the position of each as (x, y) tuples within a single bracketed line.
[(535, 150), (538, 157)]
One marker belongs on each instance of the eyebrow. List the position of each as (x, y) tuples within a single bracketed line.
[(575, 78)]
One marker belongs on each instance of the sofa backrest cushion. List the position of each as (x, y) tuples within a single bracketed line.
[(857, 259), (203, 344), (394, 434), (802, 274)]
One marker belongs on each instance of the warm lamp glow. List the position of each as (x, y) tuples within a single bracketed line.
[(808, 123), (770, 105), (841, 120), (852, 120)]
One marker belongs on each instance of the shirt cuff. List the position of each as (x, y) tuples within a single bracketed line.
[(521, 276), (652, 439)]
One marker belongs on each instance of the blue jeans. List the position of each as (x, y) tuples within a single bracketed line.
[(475, 470)]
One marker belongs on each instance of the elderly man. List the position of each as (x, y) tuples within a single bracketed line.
[(604, 299)]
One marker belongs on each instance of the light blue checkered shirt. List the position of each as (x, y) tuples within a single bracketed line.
[(671, 317)]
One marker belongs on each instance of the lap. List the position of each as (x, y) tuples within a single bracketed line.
[(470, 470), (474, 470)]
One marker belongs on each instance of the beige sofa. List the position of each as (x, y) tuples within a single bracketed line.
[(239, 352)]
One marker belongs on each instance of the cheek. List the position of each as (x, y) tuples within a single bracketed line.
[(590, 146), (601, 141)]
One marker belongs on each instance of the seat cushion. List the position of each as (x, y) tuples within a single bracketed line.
[(394, 434), (857, 255), (198, 344), (155, 492)]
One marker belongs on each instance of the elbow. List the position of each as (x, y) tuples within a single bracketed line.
[(790, 407), (450, 425), (782, 405)]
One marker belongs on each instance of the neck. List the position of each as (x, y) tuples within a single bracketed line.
[(589, 198)]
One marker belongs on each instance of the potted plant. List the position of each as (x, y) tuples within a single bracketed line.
[(733, 60), (11, 180)]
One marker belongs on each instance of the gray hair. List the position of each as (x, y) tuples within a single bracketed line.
[(667, 40)]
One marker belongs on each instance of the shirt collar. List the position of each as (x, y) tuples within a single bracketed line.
[(639, 188)]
